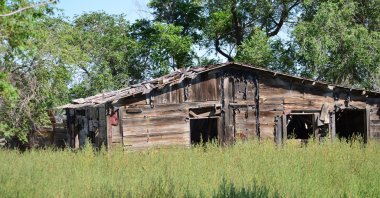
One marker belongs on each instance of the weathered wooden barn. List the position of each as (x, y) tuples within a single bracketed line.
[(222, 102)]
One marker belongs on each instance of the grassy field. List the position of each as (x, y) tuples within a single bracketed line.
[(244, 170)]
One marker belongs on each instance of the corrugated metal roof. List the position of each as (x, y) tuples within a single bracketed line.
[(174, 78)]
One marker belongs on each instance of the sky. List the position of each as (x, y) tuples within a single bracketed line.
[(133, 9)]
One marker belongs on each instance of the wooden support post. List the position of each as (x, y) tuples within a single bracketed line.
[(109, 132), (315, 127), (228, 115), (120, 123), (220, 130), (367, 120), (278, 129), (257, 98), (332, 126), (284, 129), (102, 137)]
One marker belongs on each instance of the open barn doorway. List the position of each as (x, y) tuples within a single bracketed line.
[(351, 123), (203, 130), (300, 126)]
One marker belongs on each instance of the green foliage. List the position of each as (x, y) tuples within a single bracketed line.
[(332, 40), (34, 58), (224, 24), (173, 44), (186, 14), (116, 53), (284, 57), (8, 95), (334, 46), (246, 169), (7, 90), (44, 56), (162, 46), (255, 50), (108, 53)]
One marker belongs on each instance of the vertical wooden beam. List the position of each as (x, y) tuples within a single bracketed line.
[(284, 129), (315, 126), (332, 126), (187, 119), (87, 124), (368, 123), (257, 98), (227, 91), (69, 128), (220, 130), (102, 137), (120, 123), (108, 132), (278, 129)]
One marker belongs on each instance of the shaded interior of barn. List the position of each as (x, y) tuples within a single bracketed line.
[(351, 123), (300, 126), (203, 130)]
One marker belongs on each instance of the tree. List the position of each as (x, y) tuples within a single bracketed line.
[(108, 53), (117, 53), (255, 49), (232, 22), (181, 13), (340, 42), (34, 64), (162, 47), (227, 25), (21, 9)]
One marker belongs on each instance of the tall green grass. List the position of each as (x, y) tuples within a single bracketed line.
[(247, 169)]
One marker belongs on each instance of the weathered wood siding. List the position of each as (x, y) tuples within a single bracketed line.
[(245, 122), (204, 87), (161, 117), (165, 124), (283, 95), (374, 108)]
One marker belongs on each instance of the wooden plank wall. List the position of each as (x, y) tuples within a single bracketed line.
[(162, 117), (245, 122), (165, 124), (117, 136), (374, 107), (204, 87), (290, 94), (244, 106), (101, 137), (169, 94)]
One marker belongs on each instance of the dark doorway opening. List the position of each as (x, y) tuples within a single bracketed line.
[(300, 126), (350, 123), (203, 130)]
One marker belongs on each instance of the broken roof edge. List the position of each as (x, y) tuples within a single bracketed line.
[(176, 77)]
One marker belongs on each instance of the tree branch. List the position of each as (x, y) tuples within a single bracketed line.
[(217, 48), (284, 15), (236, 24), (27, 7), (86, 71)]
